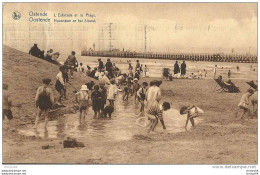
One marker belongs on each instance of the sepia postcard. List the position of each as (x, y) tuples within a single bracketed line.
[(118, 83)]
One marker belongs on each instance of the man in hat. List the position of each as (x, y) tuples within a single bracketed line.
[(44, 100)]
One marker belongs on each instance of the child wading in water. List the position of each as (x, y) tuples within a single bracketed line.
[(112, 91), (155, 113), (136, 87), (244, 103), (7, 104), (96, 98), (82, 98), (60, 83), (44, 100), (126, 94), (103, 92), (192, 112), (141, 93)]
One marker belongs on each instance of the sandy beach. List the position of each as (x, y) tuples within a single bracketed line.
[(219, 138)]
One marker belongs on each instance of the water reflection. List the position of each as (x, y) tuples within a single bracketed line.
[(122, 126)]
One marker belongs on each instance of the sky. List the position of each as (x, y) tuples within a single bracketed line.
[(170, 27)]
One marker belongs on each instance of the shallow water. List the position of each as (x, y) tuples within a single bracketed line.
[(122, 126)]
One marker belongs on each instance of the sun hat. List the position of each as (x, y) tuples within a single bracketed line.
[(84, 88), (135, 79)]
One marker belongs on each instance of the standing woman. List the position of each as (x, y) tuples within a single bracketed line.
[(60, 83), (176, 69), (183, 69)]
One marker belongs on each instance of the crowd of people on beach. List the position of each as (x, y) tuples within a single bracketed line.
[(102, 95)]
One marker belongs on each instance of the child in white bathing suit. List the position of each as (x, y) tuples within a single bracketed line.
[(192, 112)]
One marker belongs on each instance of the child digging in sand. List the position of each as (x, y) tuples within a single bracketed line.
[(192, 112), (155, 113), (82, 98)]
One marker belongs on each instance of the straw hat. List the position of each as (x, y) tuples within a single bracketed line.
[(84, 88)]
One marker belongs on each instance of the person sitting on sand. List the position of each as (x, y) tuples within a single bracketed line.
[(98, 72), (92, 73), (81, 68), (244, 103), (155, 113), (192, 112), (88, 70), (96, 98), (44, 100), (34, 51), (103, 79), (82, 98), (48, 56), (7, 104)]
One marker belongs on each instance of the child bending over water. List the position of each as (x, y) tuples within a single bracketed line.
[(192, 112), (155, 113)]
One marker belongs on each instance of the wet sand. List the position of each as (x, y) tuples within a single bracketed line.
[(219, 138)]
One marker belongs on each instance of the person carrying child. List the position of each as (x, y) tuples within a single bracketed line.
[(96, 98), (44, 100), (7, 104), (141, 93), (155, 113), (192, 112), (82, 98), (244, 103)]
